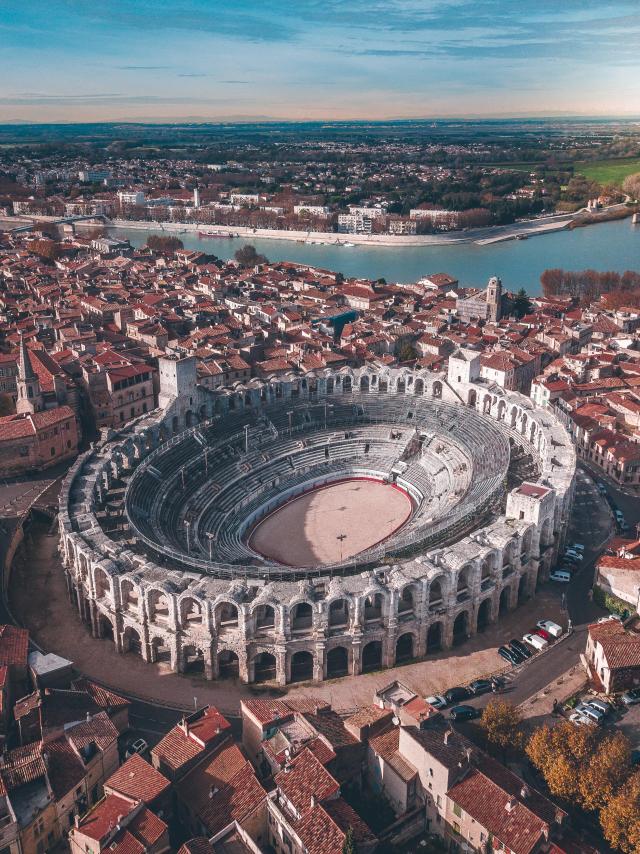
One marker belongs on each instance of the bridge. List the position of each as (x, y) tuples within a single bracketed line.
[(21, 229)]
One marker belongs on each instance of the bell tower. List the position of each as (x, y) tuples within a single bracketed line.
[(494, 299), (29, 394)]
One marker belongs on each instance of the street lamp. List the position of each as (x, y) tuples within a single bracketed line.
[(187, 525), (211, 538)]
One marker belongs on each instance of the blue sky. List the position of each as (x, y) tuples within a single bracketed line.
[(91, 60)]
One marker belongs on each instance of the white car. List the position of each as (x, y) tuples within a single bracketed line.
[(574, 555), (578, 547), (560, 575), (536, 641), (437, 701), (580, 720), (551, 627), (610, 617)]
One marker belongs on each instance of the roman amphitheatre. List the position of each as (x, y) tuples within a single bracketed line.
[(309, 527)]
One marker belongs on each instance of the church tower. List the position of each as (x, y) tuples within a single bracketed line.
[(494, 299), (29, 394)]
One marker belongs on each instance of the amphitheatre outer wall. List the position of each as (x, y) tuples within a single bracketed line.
[(260, 626)]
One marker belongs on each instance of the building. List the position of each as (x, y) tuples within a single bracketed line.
[(613, 656), (118, 824), (484, 305)]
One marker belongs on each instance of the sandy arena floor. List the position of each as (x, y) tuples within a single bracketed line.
[(332, 523)]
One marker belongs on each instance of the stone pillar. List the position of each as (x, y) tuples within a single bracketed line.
[(209, 667), (95, 622), (356, 653), (319, 663), (281, 666), (447, 633)]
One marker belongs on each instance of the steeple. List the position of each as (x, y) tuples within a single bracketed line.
[(29, 395)]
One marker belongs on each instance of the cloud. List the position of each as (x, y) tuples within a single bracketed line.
[(104, 98)]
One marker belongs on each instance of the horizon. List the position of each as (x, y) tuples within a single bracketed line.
[(154, 61)]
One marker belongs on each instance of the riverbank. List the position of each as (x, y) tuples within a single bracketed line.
[(481, 236)]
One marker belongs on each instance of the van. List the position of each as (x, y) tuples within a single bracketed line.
[(589, 712), (600, 705), (560, 575)]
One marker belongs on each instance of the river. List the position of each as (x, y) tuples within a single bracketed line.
[(519, 263)]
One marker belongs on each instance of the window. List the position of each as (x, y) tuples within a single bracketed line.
[(53, 452), (457, 811), (438, 801), (456, 827)]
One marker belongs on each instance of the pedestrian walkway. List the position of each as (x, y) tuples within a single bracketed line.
[(38, 594)]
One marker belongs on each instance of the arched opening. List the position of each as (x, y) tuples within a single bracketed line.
[(160, 652), (338, 613), (401, 387), (372, 656), (404, 648), (504, 601), (103, 588), (265, 617), (301, 666), (484, 615), (462, 589), (437, 389), (461, 628), (406, 604), (330, 385), (337, 662), (175, 424), (514, 415), (301, 617), (264, 667), (129, 596), (522, 590), (225, 617), (486, 405), (228, 664), (419, 387), (434, 637), (373, 608), (188, 419), (472, 397), (502, 406), (106, 628), (190, 612), (192, 660), (132, 641), (364, 383), (346, 385), (435, 593), (158, 607), (383, 387)]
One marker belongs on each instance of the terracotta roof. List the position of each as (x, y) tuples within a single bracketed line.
[(211, 775), (178, 747), (386, 745), (14, 646), (22, 765), (139, 780), (197, 845), (235, 802), (305, 777)]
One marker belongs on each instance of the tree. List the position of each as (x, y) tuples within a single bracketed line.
[(605, 772), (48, 250), (349, 846), (620, 818), (501, 722), (631, 185), (6, 405), (561, 753), (247, 256), (164, 243), (521, 304)]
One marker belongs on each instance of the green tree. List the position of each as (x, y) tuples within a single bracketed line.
[(247, 256), (6, 405), (631, 186), (164, 243), (349, 846), (521, 304)]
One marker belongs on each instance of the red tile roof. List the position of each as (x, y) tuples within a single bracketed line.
[(238, 800), (14, 646), (139, 780), (305, 777)]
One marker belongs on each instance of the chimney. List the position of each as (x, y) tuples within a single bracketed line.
[(76, 820), (88, 717), (447, 734), (313, 801), (510, 804)]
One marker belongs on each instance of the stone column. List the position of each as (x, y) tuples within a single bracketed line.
[(319, 663), (281, 666), (356, 652)]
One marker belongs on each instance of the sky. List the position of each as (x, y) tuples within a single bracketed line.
[(154, 60)]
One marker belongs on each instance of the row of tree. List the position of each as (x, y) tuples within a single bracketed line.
[(581, 766), (590, 285)]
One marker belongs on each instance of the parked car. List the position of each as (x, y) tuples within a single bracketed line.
[(602, 489), (137, 746), (543, 634), (507, 654), (589, 712), (454, 695), (480, 686), (550, 627), (518, 646), (572, 554), (464, 713), (520, 658), (437, 701), (578, 547), (579, 719), (631, 697), (560, 575), (536, 641), (600, 705), (610, 617)]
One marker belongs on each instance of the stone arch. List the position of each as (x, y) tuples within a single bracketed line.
[(301, 616), (406, 602), (436, 591), (102, 583), (347, 383), (175, 424), (372, 656), (158, 606), (364, 383), (338, 613), (190, 612), (502, 407), (472, 398), (160, 652), (263, 666), (131, 641), (405, 648), (228, 664), (546, 533), (435, 637), (532, 432), (264, 617), (464, 579), (373, 607), (436, 389), (337, 662), (514, 416), (301, 666), (401, 386), (461, 627), (129, 595), (523, 593), (192, 659), (105, 627), (418, 388), (484, 615), (225, 616), (505, 596), (523, 423), (486, 404)]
